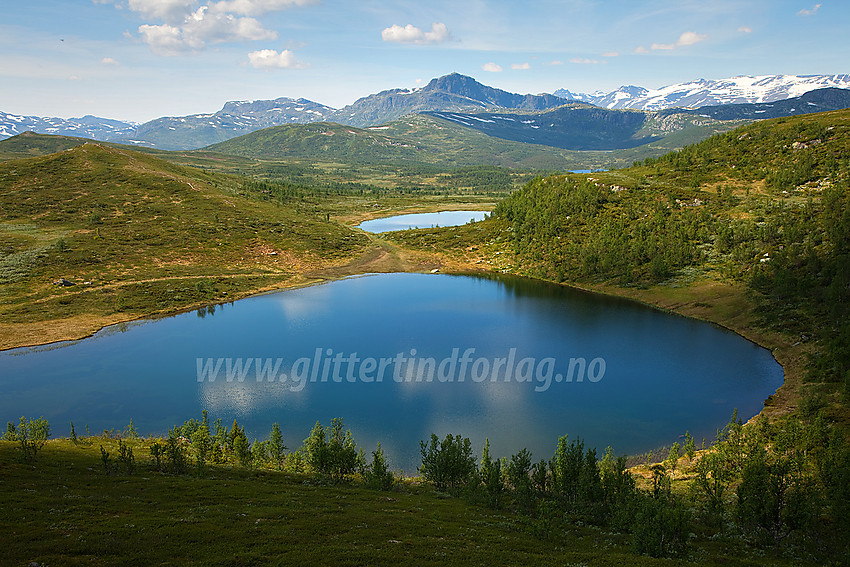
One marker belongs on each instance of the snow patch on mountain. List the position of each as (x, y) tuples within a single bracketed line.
[(702, 92), (85, 127)]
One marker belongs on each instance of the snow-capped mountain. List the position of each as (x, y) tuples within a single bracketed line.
[(450, 93), (85, 127), (234, 119), (454, 92), (702, 92)]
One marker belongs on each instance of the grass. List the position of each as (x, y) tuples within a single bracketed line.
[(63, 509), (140, 236)]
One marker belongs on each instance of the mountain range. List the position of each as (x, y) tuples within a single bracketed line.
[(452, 93), (736, 90), (86, 127)]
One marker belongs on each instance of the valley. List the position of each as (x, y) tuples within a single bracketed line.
[(743, 224)]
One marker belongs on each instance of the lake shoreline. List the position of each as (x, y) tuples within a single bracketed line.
[(722, 304)]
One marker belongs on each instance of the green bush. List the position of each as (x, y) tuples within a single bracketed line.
[(449, 464), (332, 451), (31, 436), (378, 475)]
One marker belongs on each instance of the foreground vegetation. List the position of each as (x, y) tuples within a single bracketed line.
[(118, 497)]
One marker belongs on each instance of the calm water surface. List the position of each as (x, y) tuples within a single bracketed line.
[(422, 220), (660, 374)]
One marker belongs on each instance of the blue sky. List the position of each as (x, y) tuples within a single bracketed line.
[(141, 59)]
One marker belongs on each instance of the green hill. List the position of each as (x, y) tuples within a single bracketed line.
[(420, 138), (30, 144), (583, 127), (139, 235)]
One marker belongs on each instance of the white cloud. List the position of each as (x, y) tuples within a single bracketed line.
[(109, 61), (271, 59), (662, 46), (521, 66), (687, 38), (690, 38), (201, 28), (745, 29), (641, 49), (492, 68), (411, 34), (172, 11), (256, 7), (811, 12), (610, 54), (582, 61), (180, 26), (556, 62), (164, 39)]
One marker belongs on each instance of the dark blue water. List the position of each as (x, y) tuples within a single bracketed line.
[(647, 378), (422, 220)]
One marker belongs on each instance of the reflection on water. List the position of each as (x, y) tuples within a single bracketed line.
[(422, 220), (302, 357)]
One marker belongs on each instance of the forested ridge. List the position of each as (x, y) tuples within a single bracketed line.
[(766, 206)]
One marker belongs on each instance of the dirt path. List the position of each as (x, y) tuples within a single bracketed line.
[(382, 257)]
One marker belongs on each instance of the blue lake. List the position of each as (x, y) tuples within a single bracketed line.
[(646, 376), (422, 220)]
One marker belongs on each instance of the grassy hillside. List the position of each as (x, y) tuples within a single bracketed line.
[(74, 506), (138, 235), (320, 141), (30, 144), (423, 139)]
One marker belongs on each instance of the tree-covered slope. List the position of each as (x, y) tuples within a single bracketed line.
[(766, 205)]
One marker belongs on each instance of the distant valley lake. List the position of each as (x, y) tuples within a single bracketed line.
[(422, 220), (298, 356)]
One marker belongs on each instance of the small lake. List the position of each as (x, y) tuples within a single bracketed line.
[(400, 356), (422, 220)]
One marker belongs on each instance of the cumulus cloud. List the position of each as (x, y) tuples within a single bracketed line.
[(179, 26), (610, 54), (687, 38), (411, 34), (271, 59), (200, 29), (521, 66), (556, 62), (641, 49), (811, 12), (109, 61), (256, 7), (745, 29), (492, 67), (690, 38), (583, 61), (172, 11)]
